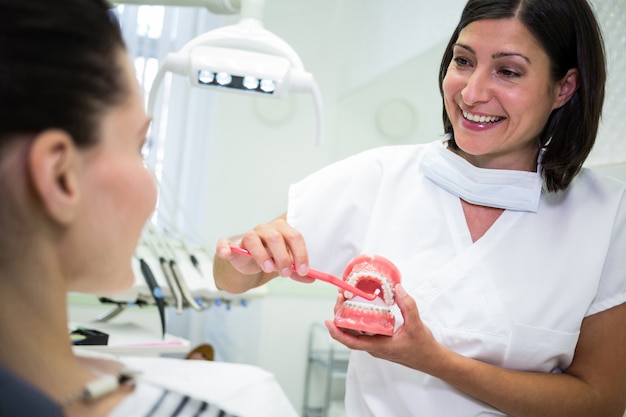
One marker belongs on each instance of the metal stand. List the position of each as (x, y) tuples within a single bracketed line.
[(108, 315), (331, 358)]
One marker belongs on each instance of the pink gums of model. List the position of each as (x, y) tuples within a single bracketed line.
[(373, 274)]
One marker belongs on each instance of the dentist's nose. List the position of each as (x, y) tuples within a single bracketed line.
[(477, 88)]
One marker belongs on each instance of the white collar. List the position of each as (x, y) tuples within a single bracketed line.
[(501, 188)]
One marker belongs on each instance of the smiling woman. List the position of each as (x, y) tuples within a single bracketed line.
[(571, 84), (499, 95), (489, 227)]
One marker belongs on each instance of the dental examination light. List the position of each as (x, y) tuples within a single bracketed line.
[(242, 58)]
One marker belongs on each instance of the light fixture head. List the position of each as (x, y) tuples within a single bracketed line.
[(242, 58), (242, 71)]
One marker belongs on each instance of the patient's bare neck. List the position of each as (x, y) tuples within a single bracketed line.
[(35, 342)]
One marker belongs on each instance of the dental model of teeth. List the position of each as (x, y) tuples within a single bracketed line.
[(375, 275)]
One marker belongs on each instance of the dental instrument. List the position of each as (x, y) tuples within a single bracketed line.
[(155, 290)]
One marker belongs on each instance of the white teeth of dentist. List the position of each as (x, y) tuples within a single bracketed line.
[(480, 119)]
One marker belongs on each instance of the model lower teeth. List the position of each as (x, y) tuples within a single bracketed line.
[(363, 304)]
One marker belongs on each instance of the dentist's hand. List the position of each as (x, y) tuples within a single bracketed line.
[(273, 247), (413, 344)]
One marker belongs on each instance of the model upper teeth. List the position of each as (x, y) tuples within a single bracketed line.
[(480, 119), (385, 284)]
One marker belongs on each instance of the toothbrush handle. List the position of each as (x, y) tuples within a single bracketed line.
[(322, 276), (331, 279)]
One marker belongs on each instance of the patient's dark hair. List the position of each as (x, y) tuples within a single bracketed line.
[(59, 67), (571, 37)]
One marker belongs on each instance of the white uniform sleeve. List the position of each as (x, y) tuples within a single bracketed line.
[(332, 208), (612, 288)]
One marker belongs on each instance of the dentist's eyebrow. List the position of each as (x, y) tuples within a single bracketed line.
[(467, 48), (496, 55), (508, 54)]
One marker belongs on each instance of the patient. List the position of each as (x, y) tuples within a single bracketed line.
[(75, 197)]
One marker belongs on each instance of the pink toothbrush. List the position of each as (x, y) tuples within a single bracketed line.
[(322, 276)]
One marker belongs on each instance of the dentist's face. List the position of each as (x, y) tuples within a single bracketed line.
[(498, 94)]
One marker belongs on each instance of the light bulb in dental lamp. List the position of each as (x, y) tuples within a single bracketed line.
[(242, 58), (243, 71)]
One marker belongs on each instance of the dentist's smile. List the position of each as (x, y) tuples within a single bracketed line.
[(482, 119)]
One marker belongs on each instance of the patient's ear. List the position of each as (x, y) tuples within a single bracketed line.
[(53, 164)]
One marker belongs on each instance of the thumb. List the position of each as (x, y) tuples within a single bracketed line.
[(223, 248), (405, 302)]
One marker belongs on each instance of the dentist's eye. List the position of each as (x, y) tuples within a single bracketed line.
[(507, 73), (461, 62)]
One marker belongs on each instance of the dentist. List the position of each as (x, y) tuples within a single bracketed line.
[(512, 255)]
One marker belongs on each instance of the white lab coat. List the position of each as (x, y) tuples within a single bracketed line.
[(515, 298)]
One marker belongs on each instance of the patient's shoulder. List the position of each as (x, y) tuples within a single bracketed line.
[(18, 398)]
